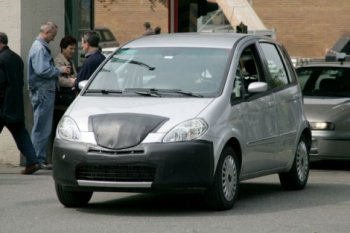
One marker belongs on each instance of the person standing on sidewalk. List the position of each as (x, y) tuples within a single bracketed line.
[(11, 103), (66, 94), (90, 45), (148, 29), (43, 84)]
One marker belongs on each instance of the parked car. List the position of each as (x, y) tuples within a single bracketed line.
[(326, 90), (107, 38), (191, 112)]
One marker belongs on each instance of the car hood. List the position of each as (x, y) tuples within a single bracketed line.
[(327, 109), (174, 110)]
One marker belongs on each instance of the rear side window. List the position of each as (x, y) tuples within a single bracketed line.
[(276, 68), (106, 35), (324, 81), (248, 71)]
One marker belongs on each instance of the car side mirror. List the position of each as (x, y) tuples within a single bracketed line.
[(82, 84), (257, 87)]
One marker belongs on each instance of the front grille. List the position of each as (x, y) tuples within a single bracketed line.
[(115, 152), (116, 173)]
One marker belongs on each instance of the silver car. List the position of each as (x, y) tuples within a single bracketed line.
[(184, 112), (326, 89)]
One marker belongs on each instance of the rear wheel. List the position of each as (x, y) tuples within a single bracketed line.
[(222, 195), (298, 175), (72, 198)]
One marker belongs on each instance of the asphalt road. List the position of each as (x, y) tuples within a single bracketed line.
[(29, 204)]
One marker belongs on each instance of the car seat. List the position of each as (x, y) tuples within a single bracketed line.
[(250, 74), (328, 85)]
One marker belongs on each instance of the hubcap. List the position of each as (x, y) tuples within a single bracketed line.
[(229, 178), (302, 162)]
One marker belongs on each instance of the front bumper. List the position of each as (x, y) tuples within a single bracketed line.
[(330, 145), (147, 167)]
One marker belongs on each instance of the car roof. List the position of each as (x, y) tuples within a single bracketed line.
[(326, 64), (201, 40), (101, 27)]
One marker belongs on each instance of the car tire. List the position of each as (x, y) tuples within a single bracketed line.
[(297, 177), (72, 198), (223, 193)]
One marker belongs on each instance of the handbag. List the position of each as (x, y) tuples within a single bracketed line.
[(65, 96)]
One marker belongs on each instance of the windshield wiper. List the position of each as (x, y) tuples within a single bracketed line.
[(144, 91), (157, 92), (188, 93), (105, 70), (134, 62), (142, 64), (104, 91)]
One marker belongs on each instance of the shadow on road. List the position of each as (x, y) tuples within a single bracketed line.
[(153, 204), (257, 196), (331, 165)]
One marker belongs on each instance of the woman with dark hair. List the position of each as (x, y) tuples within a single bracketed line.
[(66, 94)]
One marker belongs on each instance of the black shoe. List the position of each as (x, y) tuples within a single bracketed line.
[(45, 166), (30, 169)]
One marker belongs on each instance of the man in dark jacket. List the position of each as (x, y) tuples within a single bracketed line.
[(93, 56), (11, 103)]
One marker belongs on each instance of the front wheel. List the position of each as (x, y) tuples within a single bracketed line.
[(298, 175), (72, 198), (222, 195)]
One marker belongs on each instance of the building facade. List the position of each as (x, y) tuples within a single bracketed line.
[(307, 28), (125, 18)]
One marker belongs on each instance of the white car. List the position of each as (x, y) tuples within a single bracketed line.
[(192, 112)]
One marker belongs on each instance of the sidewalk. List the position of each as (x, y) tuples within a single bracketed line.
[(9, 153), (10, 169)]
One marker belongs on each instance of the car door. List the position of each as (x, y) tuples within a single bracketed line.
[(256, 111), (288, 100)]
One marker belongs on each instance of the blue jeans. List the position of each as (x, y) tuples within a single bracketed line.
[(43, 103), (23, 142)]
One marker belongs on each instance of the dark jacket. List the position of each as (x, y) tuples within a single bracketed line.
[(89, 66), (11, 74)]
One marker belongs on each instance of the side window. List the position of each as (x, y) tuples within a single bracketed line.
[(276, 68), (247, 71), (108, 36), (237, 85)]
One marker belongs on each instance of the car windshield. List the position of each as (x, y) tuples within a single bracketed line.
[(195, 72), (325, 81)]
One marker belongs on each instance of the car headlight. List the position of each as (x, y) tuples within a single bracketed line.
[(186, 131), (322, 126), (67, 129)]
